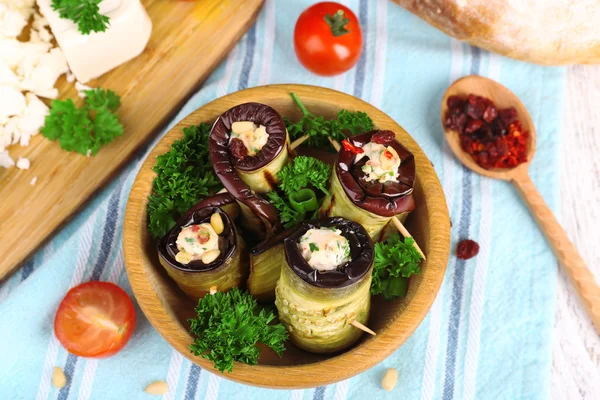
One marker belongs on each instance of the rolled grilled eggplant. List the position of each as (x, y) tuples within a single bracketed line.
[(204, 249), (266, 260), (325, 284), (248, 146), (372, 181)]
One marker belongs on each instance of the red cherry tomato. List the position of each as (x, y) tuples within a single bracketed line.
[(328, 39), (95, 319)]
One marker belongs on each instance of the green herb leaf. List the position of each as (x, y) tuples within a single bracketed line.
[(85, 13), (395, 262), (288, 216), (319, 129), (313, 247), (84, 130), (229, 326), (184, 176), (302, 172)]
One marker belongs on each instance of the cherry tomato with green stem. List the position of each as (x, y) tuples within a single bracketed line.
[(328, 39)]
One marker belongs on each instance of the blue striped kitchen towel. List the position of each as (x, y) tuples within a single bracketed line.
[(488, 335)]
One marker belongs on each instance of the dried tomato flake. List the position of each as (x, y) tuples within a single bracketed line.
[(238, 148), (382, 137), (348, 146), (493, 137), (467, 249)]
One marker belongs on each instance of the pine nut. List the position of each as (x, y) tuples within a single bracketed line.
[(59, 380), (242, 126), (389, 379), (157, 388), (210, 256), (216, 221)]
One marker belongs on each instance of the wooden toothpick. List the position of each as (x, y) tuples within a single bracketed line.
[(298, 142), (407, 234), (334, 143), (362, 327)]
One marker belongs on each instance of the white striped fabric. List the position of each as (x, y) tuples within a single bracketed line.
[(457, 352)]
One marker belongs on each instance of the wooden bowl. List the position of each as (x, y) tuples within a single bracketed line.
[(168, 309)]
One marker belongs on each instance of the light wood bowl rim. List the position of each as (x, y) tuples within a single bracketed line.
[(350, 363)]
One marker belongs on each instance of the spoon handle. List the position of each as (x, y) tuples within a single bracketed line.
[(568, 256)]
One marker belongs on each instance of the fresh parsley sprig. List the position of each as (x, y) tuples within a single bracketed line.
[(229, 326), (85, 13), (395, 262), (184, 176), (84, 130), (297, 178), (319, 129), (302, 172)]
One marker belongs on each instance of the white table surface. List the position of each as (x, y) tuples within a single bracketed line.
[(576, 348)]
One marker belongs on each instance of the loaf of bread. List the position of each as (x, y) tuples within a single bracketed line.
[(548, 32)]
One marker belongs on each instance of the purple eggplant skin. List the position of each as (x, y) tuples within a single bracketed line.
[(362, 254), (226, 165), (384, 199)]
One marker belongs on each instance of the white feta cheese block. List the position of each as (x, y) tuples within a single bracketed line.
[(12, 20), (90, 56)]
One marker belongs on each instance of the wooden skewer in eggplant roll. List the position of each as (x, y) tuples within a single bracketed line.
[(325, 284), (204, 249), (372, 181), (248, 146)]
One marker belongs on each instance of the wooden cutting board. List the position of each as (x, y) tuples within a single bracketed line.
[(188, 41)]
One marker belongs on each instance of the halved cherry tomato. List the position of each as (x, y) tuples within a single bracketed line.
[(95, 319), (328, 39)]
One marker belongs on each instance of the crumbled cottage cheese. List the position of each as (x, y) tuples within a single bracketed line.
[(28, 70)]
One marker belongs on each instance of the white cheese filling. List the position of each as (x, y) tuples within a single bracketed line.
[(195, 240), (324, 249), (254, 137), (383, 162)]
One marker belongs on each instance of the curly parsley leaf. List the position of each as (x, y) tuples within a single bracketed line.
[(84, 130), (184, 176), (85, 13), (302, 172), (287, 215), (395, 262), (320, 129), (229, 326)]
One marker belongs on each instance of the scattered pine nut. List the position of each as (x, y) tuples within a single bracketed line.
[(213, 289), (157, 388), (216, 221), (59, 380), (210, 256), (242, 126), (389, 379)]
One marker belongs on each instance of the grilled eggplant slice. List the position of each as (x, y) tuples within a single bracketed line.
[(227, 271), (266, 260), (317, 306), (245, 176), (371, 204)]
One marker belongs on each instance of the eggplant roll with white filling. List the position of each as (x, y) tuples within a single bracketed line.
[(248, 146), (204, 249), (325, 284), (371, 182)]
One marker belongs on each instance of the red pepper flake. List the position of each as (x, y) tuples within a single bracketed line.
[(352, 148), (467, 249), (493, 137), (203, 236), (195, 228)]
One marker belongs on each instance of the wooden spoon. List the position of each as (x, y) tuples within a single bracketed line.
[(568, 256)]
